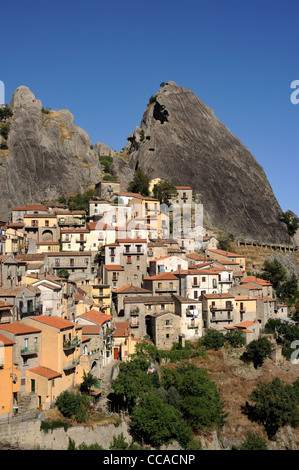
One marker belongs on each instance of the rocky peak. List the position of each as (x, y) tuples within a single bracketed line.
[(185, 143)]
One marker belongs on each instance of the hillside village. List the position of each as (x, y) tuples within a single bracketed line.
[(79, 290)]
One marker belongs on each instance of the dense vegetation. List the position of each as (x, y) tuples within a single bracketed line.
[(78, 201), (166, 405)]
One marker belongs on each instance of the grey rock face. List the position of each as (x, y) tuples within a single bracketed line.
[(48, 155), (186, 144)]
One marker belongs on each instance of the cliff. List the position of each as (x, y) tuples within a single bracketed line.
[(181, 140), (47, 156)]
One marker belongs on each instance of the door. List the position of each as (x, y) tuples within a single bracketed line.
[(32, 385), (115, 353)]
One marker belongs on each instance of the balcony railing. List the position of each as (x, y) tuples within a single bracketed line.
[(29, 350), (221, 319), (71, 364), (71, 344)]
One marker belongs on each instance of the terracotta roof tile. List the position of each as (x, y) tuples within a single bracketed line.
[(45, 372), (19, 328), (54, 321)]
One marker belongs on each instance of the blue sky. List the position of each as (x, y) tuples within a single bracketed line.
[(103, 60)]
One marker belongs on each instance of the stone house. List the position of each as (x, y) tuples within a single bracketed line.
[(131, 254), (138, 311), (73, 261), (10, 275), (162, 284), (166, 329), (26, 351), (120, 294), (26, 301), (6, 314)]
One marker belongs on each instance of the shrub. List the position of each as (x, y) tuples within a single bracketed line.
[(73, 406), (4, 130), (47, 426), (257, 351), (254, 441)]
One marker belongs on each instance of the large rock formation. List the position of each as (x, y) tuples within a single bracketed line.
[(181, 140), (48, 155)]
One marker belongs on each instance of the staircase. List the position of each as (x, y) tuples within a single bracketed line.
[(108, 375)]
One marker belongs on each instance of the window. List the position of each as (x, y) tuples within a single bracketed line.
[(167, 335), (129, 260), (195, 281), (228, 304), (167, 322), (159, 285), (72, 261), (203, 279), (195, 294), (171, 285), (46, 223), (57, 262), (162, 306)]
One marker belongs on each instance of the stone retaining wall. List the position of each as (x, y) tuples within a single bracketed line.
[(27, 435)]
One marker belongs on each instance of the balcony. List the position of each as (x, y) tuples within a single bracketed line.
[(166, 289), (134, 324), (80, 240), (71, 344), (71, 364), (220, 309), (220, 319), (29, 351)]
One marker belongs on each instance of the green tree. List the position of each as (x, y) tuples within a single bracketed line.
[(106, 161), (274, 272), (274, 406), (140, 183), (157, 422), (291, 221), (89, 381), (213, 339), (164, 191), (235, 338), (257, 351), (5, 113), (131, 382), (63, 273)]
